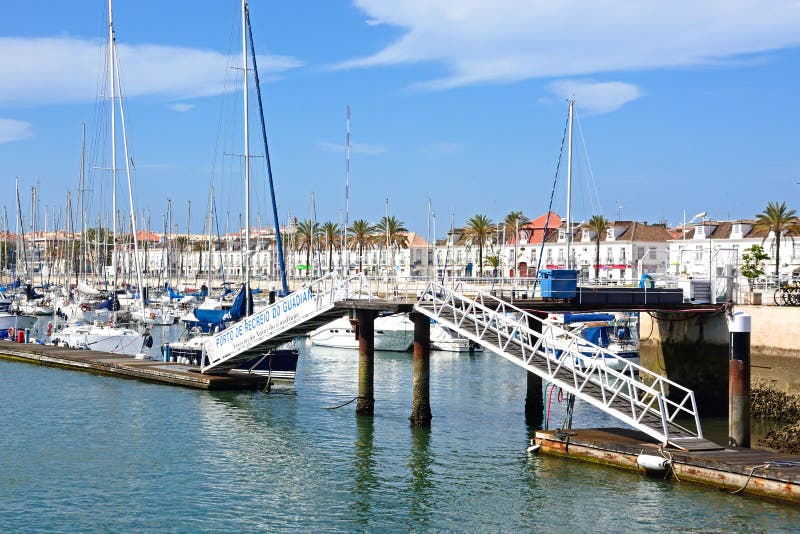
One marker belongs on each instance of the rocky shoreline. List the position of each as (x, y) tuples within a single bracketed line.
[(767, 402)]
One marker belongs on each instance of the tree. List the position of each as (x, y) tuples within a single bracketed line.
[(494, 261), (779, 220), (331, 235), (479, 227), (392, 231), (307, 233), (513, 221), (753, 263), (598, 224), (360, 236)]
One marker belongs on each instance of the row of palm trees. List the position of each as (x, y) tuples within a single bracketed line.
[(389, 231), (776, 218), (392, 233)]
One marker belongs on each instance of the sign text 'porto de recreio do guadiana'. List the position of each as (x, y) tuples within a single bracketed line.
[(259, 326)]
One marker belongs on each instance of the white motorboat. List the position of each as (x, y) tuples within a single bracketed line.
[(103, 338), (392, 332), (444, 339), (616, 334)]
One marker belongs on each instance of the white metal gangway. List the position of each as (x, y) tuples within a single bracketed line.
[(627, 391), (298, 313)]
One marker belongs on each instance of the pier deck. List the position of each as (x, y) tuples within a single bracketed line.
[(125, 366), (758, 472)]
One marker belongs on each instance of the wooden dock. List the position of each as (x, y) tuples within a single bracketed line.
[(126, 366), (752, 471)]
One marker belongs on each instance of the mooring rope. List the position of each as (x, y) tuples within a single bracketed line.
[(345, 404)]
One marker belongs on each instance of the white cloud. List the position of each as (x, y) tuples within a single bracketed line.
[(180, 107), (511, 40), (594, 97), (14, 130), (355, 148), (46, 70)]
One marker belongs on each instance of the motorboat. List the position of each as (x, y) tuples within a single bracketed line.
[(392, 332), (445, 339), (617, 334), (103, 337)]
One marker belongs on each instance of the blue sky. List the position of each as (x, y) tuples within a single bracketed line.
[(681, 106)]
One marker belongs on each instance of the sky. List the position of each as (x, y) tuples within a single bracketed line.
[(682, 107)]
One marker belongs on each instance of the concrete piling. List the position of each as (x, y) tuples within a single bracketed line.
[(421, 405), (739, 380), (365, 324)]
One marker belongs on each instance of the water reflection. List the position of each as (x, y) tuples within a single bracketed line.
[(364, 477), (421, 483)]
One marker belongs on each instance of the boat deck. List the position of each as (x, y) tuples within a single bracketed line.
[(753, 471), (126, 366)]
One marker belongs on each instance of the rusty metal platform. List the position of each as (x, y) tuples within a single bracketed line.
[(753, 471)]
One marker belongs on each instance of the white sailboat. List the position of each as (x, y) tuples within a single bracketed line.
[(106, 336)]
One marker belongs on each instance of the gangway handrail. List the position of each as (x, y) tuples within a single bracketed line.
[(313, 299), (497, 324)]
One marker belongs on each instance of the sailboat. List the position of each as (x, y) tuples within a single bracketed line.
[(99, 336), (280, 363)]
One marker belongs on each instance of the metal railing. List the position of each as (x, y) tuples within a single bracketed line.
[(619, 387), (255, 332)]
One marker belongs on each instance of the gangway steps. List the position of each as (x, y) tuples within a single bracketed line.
[(499, 327), (564, 374)]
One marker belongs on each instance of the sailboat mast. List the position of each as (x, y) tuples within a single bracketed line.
[(81, 209), (278, 238), (210, 230), (569, 186), (347, 196), (132, 209), (246, 156), (112, 77)]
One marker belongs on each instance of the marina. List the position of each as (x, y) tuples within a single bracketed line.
[(301, 365)]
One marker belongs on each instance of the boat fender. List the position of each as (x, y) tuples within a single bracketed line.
[(49, 328), (84, 307), (650, 462), (152, 315), (148, 341), (11, 333)]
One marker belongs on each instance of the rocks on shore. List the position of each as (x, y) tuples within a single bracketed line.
[(770, 403)]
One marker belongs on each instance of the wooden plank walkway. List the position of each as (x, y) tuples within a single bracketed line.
[(753, 471), (125, 366)]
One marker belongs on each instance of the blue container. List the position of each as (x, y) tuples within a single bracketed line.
[(559, 283)]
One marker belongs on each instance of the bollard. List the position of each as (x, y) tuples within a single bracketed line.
[(739, 380)]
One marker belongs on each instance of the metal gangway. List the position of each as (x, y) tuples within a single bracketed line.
[(294, 315), (647, 401)]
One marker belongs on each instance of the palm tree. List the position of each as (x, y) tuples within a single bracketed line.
[(479, 227), (307, 232), (360, 236), (781, 221), (393, 231), (513, 221), (598, 224), (331, 236)]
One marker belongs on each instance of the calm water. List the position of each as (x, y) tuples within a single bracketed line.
[(81, 452)]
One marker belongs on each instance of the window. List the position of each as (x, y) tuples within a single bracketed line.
[(698, 254), (622, 254)]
